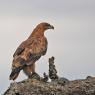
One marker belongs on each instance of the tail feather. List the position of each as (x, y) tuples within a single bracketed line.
[(13, 76), (15, 72)]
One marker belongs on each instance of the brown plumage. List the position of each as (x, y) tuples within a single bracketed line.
[(30, 51)]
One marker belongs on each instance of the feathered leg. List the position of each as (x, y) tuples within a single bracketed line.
[(29, 70)]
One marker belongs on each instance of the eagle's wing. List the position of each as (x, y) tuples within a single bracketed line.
[(21, 48), (37, 49), (30, 50), (18, 51)]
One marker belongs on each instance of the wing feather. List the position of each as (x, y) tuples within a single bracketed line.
[(18, 51), (31, 50)]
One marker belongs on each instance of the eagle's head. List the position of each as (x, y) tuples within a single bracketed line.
[(41, 28), (45, 26)]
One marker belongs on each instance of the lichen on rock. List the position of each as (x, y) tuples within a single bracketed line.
[(58, 85)]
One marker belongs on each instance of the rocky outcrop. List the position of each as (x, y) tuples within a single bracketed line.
[(58, 86)]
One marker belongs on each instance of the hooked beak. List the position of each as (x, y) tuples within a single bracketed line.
[(51, 27)]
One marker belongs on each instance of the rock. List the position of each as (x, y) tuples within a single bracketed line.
[(52, 69), (37, 85), (46, 77)]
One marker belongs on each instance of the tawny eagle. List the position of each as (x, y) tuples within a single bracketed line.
[(30, 51)]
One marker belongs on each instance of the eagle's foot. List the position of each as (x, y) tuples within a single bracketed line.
[(34, 76)]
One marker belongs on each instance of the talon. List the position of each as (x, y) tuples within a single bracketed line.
[(34, 76)]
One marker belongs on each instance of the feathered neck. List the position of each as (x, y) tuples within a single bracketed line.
[(39, 32)]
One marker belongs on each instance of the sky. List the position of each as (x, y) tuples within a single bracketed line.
[(72, 42)]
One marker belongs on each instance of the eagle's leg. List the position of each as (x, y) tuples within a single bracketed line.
[(34, 74), (32, 68), (29, 70)]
